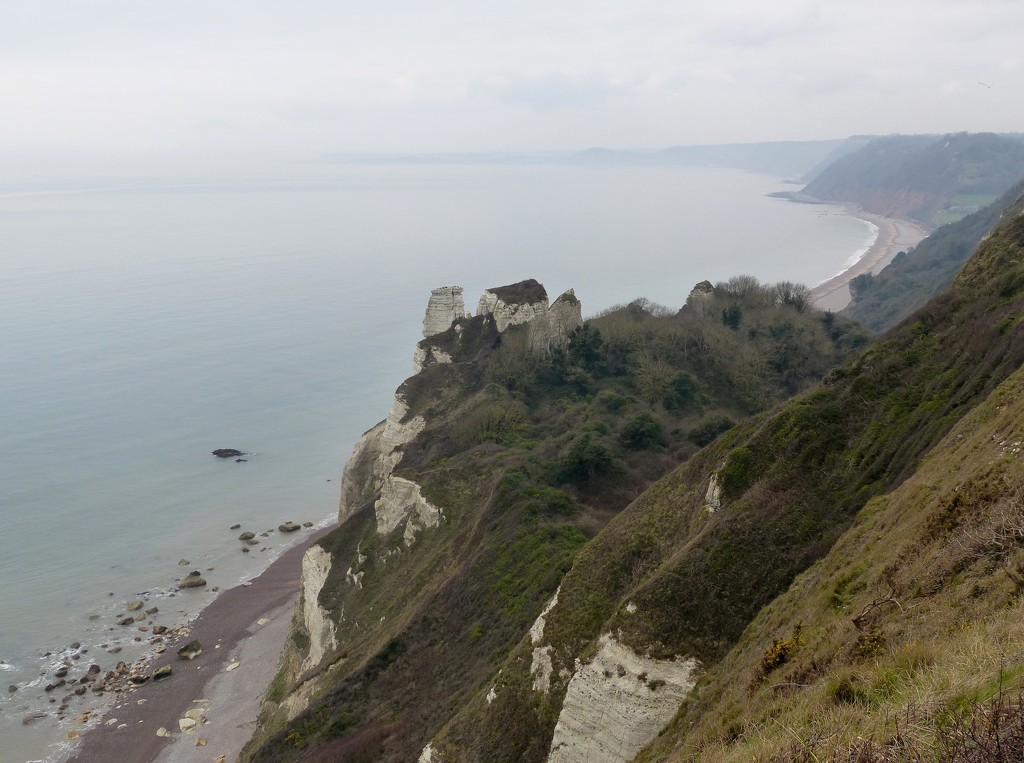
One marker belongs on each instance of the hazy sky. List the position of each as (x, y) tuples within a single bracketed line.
[(397, 75)]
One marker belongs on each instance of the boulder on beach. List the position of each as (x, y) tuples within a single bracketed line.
[(161, 673), (191, 650), (289, 527), (192, 580), (247, 535), (227, 453)]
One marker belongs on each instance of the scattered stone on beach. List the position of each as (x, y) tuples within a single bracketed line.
[(159, 630), (186, 724), (111, 722), (12, 688), (289, 527), (136, 605), (161, 673), (232, 666), (184, 562), (247, 583), (61, 672), (72, 735), (114, 650), (138, 678), (262, 621), (196, 714), (152, 610), (93, 669), (75, 645), (247, 535), (245, 550), (191, 650), (162, 732), (227, 453), (234, 527), (200, 742), (192, 580)]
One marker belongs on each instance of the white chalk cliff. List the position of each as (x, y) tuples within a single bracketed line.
[(617, 703)]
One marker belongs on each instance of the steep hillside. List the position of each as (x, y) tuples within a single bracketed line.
[(880, 301), (522, 434), (928, 178), (669, 589)]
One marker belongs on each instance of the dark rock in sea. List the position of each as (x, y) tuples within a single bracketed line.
[(289, 527), (247, 535), (126, 621), (80, 691), (307, 524), (159, 630), (12, 688), (227, 453), (161, 673), (234, 527), (61, 672), (32, 718), (152, 610), (192, 580), (241, 460), (93, 669), (75, 645), (253, 542), (138, 678), (191, 650), (184, 562), (114, 650), (134, 606), (245, 551)]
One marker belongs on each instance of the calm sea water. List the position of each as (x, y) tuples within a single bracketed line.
[(145, 323)]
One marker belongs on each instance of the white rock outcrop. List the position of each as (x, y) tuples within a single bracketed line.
[(427, 755), (713, 496), (401, 501), (540, 661), (316, 566), (507, 314), (376, 455), (616, 704), (443, 308)]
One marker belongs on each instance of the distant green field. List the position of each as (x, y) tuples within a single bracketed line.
[(961, 205)]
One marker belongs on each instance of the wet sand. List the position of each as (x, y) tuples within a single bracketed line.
[(247, 625), (893, 237)]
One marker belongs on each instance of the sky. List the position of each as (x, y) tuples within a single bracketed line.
[(530, 75)]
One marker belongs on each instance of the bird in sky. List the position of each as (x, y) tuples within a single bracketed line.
[(986, 84)]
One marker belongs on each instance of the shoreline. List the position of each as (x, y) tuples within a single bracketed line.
[(242, 633), (894, 235)]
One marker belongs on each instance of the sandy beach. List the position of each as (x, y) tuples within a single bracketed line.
[(893, 237), (242, 633)]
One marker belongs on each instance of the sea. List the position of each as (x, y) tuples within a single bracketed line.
[(149, 316)]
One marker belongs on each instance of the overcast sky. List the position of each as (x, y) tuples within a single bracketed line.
[(450, 75)]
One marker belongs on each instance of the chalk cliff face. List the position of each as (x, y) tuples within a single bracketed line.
[(617, 703), (444, 308)]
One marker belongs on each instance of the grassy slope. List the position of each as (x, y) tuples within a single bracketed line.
[(793, 479), (882, 300), (528, 458)]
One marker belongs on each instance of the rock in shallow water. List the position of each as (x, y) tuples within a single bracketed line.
[(227, 453), (192, 580), (288, 527)]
